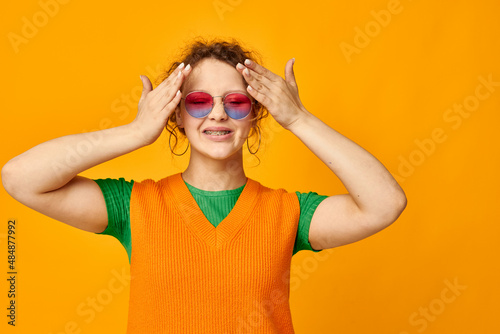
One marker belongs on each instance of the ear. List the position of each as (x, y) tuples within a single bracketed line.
[(254, 114), (178, 116)]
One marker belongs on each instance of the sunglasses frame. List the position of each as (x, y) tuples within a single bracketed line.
[(213, 103)]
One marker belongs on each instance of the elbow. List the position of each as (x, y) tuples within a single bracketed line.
[(396, 207), (6, 175), (390, 211), (400, 204), (9, 178)]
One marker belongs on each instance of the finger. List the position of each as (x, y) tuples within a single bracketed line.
[(164, 99), (146, 86), (256, 80), (172, 87), (170, 106), (183, 73), (167, 93), (261, 70), (173, 76), (290, 75), (164, 107), (261, 94)]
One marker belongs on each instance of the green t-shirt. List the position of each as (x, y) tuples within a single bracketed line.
[(215, 205)]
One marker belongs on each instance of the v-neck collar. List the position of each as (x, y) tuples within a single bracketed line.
[(199, 224)]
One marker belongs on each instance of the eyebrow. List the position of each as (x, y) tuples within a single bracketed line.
[(225, 93)]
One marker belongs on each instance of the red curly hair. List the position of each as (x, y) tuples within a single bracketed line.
[(231, 52)]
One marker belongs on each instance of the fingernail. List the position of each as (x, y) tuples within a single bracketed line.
[(187, 67), (293, 61), (247, 62), (246, 71), (240, 66), (181, 65)]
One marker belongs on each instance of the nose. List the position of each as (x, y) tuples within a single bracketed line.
[(218, 112)]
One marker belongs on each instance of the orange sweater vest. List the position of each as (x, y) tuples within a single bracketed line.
[(188, 276)]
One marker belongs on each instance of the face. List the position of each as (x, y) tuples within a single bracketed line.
[(216, 78)]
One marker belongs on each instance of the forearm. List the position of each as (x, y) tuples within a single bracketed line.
[(370, 184), (52, 164)]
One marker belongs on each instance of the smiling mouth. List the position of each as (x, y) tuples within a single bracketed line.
[(216, 133)]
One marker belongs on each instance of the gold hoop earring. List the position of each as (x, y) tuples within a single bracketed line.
[(257, 146), (169, 137)]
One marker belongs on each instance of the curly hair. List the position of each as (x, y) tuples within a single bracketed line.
[(229, 51)]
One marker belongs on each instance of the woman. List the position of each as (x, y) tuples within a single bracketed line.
[(211, 248)]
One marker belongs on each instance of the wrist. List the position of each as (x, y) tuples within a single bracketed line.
[(136, 135), (300, 121)]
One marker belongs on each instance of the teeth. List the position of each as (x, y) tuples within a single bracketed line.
[(218, 133)]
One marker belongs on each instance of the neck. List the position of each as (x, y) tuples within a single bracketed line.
[(213, 174)]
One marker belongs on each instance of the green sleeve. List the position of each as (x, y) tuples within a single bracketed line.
[(117, 193), (308, 204)]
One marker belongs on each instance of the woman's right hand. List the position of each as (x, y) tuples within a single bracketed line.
[(156, 106)]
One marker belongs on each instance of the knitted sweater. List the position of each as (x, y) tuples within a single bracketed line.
[(215, 205), (191, 277)]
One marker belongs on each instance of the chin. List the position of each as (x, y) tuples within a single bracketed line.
[(219, 154)]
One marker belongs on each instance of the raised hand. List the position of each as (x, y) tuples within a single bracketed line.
[(279, 96), (155, 106)]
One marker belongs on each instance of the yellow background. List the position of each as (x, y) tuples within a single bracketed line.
[(389, 96)]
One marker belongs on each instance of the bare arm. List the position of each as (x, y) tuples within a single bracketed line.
[(52, 164), (45, 178), (375, 200)]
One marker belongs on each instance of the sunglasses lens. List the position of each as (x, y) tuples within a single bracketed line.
[(237, 105), (198, 104)]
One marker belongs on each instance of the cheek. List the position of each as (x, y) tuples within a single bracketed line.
[(245, 129), (190, 123)]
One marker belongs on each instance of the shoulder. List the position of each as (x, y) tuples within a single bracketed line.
[(277, 193), (310, 198), (162, 188), (148, 183), (114, 186)]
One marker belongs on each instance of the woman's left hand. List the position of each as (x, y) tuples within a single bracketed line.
[(279, 96)]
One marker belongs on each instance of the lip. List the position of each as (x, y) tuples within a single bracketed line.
[(218, 137)]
